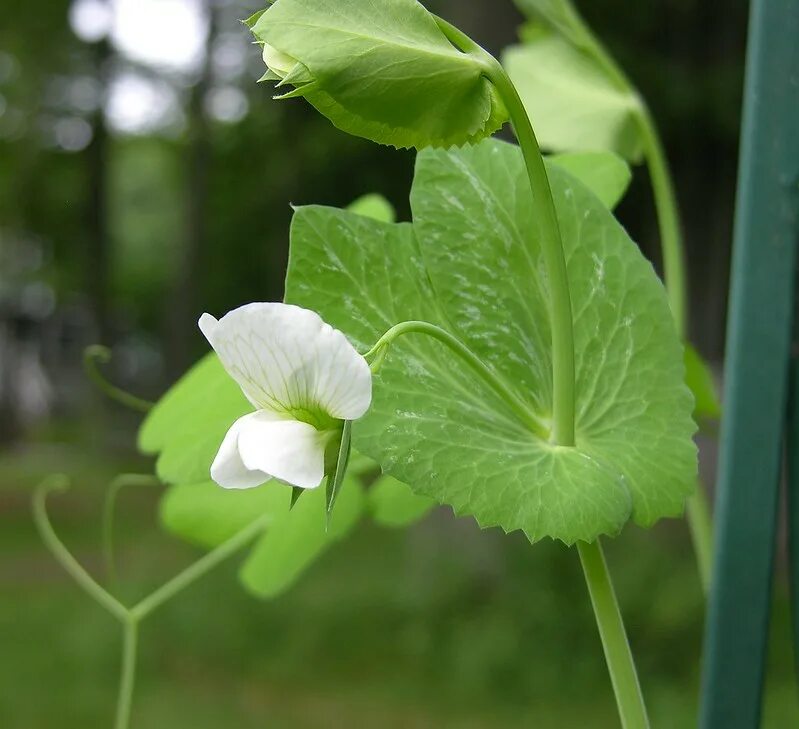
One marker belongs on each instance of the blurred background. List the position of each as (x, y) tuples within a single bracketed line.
[(144, 178)]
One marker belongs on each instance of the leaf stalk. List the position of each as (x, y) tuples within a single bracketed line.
[(621, 666), (491, 378)]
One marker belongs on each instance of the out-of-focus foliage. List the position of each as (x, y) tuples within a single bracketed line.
[(606, 174), (393, 628), (572, 101), (699, 378)]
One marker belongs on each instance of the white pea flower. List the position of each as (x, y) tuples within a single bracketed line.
[(304, 379)]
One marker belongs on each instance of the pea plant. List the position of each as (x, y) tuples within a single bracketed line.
[(509, 353)]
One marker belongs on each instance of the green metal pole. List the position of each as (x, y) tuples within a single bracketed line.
[(758, 348), (792, 466)]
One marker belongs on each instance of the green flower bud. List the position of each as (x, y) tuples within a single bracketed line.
[(278, 63), (382, 69)]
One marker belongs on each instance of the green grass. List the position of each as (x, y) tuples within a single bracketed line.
[(437, 626)]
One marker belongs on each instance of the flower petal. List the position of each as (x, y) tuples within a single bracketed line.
[(228, 470), (286, 358), (289, 450)]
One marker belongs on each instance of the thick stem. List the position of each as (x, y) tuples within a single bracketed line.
[(621, 666), (546, 218), (199, 568), (493, 380), (128, 674), (611, 628), (673, 254), (554, 260)]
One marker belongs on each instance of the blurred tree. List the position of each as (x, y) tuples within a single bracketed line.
[(97, 229), (185, 301), (142, 227)]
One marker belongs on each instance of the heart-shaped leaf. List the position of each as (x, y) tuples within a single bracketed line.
[(471, 262)]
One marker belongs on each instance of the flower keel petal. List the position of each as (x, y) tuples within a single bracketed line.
[(289, 450), (228, 469)]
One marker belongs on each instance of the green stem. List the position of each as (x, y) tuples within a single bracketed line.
[(97, 354), (62, 554), (701, 526), (698, 516), (621, 666), (668, 216), (199, 568), (700, 522), (128, 675), (668, 220), (120, 482), (611, 628), (546, 218), (494, 381), (554, 259), (672, 251)]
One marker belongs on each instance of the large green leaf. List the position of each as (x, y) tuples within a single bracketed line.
[(573, 103), (383, 70), (471, 262)]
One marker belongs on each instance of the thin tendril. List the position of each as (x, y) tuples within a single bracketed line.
[(120, 482), (203, 565), (95, 355), (64, 556), (130, 617)]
